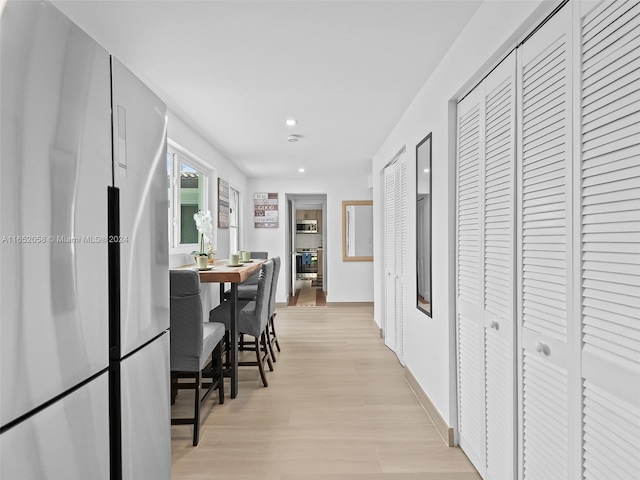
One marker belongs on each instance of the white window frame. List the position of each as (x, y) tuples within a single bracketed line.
[(180, 154), (234, 194)]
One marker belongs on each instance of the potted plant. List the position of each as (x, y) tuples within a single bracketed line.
[(204, 225)]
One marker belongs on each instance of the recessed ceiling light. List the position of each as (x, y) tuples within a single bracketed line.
[(301, 170), (291, 122), (426, 170), (292, 138)]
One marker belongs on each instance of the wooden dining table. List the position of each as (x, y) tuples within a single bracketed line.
[(220, 272)]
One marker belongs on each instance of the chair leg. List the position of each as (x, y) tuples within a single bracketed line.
[(196, 411), (227, 340), (259, 361), (214, 369), (174, 387), (218, 371), (270, 345), (263, 338), (273, 330)]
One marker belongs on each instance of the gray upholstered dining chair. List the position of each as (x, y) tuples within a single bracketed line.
[(192, 343), (272, 338), (253, 316), (247, 289), (270, 332)]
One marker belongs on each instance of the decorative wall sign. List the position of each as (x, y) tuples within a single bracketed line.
[(265, 208), (223, 203)]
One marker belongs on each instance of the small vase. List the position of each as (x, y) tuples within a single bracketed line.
[(212, 258), (202, 261)]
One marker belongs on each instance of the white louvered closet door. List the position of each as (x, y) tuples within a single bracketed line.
[(499, 269), (469, 304), (395, 253), (401, 253), (485, 271), (545, 237), (609, 224), (389, 257)]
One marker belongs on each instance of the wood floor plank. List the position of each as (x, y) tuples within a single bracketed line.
[(408, 457), (321, 299), (386, 476), (337, 408)]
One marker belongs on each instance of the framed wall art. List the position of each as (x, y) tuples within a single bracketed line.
[(265, 208), (223, 203)]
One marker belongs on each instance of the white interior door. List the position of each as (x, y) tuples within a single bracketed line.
[(486, 273), (609, 240), (325, 275), (400, 253), (389, 325), (577, 237), (469, 305), (292, 248), (395, 253), (498, 282), (545, 237)]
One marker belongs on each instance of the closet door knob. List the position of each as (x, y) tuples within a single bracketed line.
[(542, 348), (494, 324)]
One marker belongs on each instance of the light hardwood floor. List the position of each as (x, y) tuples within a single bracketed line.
[(337, 408)]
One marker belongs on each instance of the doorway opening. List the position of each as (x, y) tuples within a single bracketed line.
[(307, 262)]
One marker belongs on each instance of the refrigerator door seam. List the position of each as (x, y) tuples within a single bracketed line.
[(51, 401)]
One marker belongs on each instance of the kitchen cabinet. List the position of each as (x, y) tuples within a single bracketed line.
[(305, 214)]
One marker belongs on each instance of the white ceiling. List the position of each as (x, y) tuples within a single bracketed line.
[(235, 70)]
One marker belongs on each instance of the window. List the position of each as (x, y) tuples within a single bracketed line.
[(234, 220), (187, 184)]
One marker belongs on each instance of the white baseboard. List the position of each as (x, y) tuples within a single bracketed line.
[(445, 431)]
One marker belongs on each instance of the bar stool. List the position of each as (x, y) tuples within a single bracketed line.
[(253, 317), (247, 289), (192, 343), (272, 337)]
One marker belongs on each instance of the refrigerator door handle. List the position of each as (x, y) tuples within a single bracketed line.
[(113, 250)]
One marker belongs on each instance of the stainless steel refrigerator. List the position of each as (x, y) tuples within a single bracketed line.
[(84, 291)]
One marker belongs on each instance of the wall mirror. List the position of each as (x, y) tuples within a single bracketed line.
[(423, 224), (357, 230)]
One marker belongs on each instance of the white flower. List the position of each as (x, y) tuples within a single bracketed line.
[(204, 224)]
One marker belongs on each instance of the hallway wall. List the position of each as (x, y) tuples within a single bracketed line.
[(183, 134), (188, 138), (495, 29), (346, 281)]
